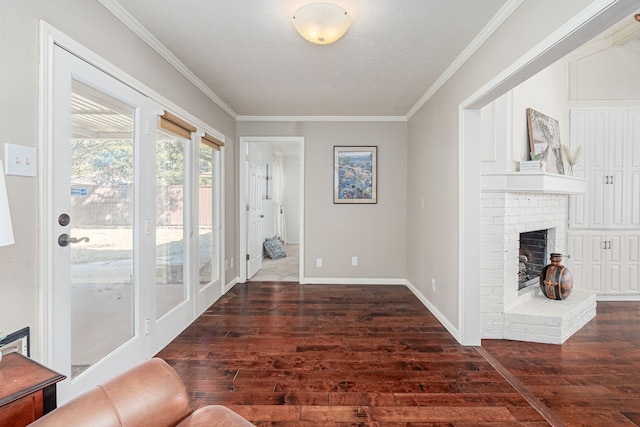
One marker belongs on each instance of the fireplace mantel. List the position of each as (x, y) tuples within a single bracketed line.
[(533, 182)]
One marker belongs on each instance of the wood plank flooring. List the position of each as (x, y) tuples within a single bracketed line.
[(593, 379), (284, 354)]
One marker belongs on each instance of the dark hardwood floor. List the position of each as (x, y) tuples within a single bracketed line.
[(283, 354)]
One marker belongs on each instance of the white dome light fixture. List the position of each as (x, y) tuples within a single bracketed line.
[(321, 23)]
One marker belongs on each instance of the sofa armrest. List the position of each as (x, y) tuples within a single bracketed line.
[(92, 408), (150, 394)]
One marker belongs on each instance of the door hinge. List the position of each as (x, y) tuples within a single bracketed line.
[(247, 158), (248, 257), (147, 327), (248, 208)]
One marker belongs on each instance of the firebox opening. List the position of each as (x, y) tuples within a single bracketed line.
[(532, 257)]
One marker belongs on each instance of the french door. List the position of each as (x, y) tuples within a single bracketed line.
[(122, 284)]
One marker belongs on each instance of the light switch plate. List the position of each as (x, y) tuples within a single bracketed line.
[(20, 160)]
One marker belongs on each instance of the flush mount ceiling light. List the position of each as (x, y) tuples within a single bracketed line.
[(321, 23)]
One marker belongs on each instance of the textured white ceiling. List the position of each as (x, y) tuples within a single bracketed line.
[(248, 53)]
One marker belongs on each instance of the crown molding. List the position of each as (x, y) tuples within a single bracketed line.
[(321, 119), (125, 17), (130, 22), (486, 32)]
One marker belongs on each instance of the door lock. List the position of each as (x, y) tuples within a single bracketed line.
[(64, 219)]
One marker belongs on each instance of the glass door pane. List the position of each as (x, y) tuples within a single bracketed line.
[(102, 230), (170, 213), (207, 216)]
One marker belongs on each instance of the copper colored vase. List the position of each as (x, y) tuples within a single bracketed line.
[(556, 281)]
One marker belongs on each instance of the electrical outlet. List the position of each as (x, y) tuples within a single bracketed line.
[(226, 264), (318, 262), (354, 261), (433, 285), (232, 262), (422, 203)]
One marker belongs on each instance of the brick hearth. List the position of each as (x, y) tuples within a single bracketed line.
[(525, 315)]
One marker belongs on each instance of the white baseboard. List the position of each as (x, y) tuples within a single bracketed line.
[(350, 281), (369, 281), (441, 318), (231, 284), (630, 297)]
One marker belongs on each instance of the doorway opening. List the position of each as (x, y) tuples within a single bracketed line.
[(271, 210)]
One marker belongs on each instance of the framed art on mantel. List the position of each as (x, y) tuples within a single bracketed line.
[(544, 141), (355, 174)]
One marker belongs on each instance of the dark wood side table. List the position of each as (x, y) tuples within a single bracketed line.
[(27, 390)]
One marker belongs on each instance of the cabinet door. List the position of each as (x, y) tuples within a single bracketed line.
[(579, 137), (597, 157), (630, 253), (614, 190), (613, 256), (632, 176)]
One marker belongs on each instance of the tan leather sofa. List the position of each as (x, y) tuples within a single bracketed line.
[(150, 394)]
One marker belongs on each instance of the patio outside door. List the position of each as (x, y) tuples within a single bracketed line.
[(102, 231)]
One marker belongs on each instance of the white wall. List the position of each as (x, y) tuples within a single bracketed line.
[(606, 75), (433, 240), (335, 233), (90, 24), (291, 198), (505, 130)]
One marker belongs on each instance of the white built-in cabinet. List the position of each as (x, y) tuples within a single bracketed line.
[(607, 262), (604, 223)]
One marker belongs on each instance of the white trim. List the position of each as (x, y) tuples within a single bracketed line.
[(547, 51), (486, 32), (469, 292), (49, 38), (130, 22), (244, 142), (612, 297), (321, 118), (231, 284), (604, 104), (441, 318), (58, 38), (134, 25), (600, 15), (45, 166), (352, 281)]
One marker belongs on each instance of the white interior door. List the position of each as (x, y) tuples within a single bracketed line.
[(254, 214), (99, 307)]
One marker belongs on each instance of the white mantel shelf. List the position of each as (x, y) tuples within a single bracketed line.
[(533, 182)]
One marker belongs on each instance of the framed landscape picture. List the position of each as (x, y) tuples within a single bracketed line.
[(544, 141), (355, 174)]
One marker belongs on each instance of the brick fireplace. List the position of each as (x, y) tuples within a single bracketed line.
[(509, 311)]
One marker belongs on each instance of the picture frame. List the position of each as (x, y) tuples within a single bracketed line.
[(544, 141), (355, 174)]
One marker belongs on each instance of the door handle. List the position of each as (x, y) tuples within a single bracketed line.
[(65, 239), (261, 215)]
